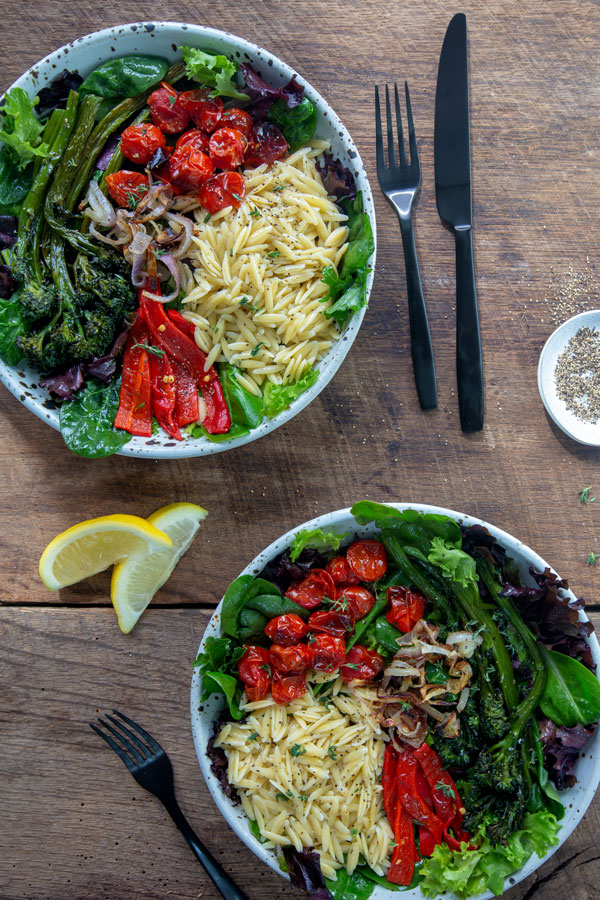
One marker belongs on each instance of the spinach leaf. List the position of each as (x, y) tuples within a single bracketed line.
[(277, 397), (297, 124), (352, 298), (218, 668), (350, 887), (572, 692), (249, 603), (215, 71), (239, 592), (360, 237), (414, 527), (126, 76), (246, 409), (317, 538), (20, 129), (348, 288), (220, 683), (14, 181), (12, 325), (234, 432), (86, 423)]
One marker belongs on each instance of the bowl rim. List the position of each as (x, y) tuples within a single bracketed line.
[(237, 821), (166, 447)]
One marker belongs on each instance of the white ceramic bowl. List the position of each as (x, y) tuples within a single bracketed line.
[(162, 39), (576, 800)]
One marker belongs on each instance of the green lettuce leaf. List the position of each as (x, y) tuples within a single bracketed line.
[(15, 183), (20, 129), (454, 564), (217, 72), (277, 397), (321, 540)]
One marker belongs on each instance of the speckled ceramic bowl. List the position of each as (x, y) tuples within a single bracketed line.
[(163, 39), (576, 800)]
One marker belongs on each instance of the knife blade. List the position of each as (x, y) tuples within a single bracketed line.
[(452, 159)]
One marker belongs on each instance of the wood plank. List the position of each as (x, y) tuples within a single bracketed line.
[(75, 823)]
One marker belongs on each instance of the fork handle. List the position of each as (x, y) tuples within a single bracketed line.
[(226, 886), (420, 337), (469, 367)]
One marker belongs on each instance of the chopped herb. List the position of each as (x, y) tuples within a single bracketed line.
[(278, 187), (304, 797), (405, 706), (172, 101), (156, 351), (353, 831), (351, 665), (266, 668), (274, 253), (140, 405), (236, 196), (255, 350), (331, 752), (584, 495), (297, 750), (591, 560), (253, 736), (445, 789), (256, 213), (231, 251), (207, 218), (280, 796)]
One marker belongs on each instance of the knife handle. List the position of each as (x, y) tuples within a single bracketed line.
[(469, 367), (420, 337)]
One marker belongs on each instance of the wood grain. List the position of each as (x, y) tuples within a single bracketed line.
[(76, 825)]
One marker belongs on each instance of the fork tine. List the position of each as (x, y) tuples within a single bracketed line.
[(132, 737), (113, 746), (390, 129), (414, 153), (127, 746), (378, 134), (399, 124), (154, 745)]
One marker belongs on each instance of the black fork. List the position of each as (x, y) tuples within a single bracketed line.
[(400, 180), (151, 767)]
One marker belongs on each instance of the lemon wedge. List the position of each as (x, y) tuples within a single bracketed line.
[(136, 580), (94, 545)]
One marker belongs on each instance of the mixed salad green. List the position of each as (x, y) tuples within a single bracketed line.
[(503, 726), (68, 297)]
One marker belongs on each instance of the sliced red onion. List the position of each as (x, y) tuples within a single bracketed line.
[(187, 234), (140, 243), (171, 264), (101, 210), (462, 701), (107, 239), (138, 275)]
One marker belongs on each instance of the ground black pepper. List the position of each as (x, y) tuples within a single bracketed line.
[(577, 375)]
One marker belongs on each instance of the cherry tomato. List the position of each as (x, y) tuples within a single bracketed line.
[(167, 109), (190, 168), (224, 189), (238, 119), (340, 571), (290, 659), (205, 111), (195, 137), (406, 608), (367, 559), (139, 143), (329, 652), (361, 664), (227, 148), (265, 144), (336, 621), (255, 672), (127, 188), (286, 630), (311, 591), (359, 599), (287, 687)]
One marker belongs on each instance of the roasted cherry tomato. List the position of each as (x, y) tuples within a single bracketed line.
[(255, 672), (290, 659), (329, 653), (226, 148), (195, 138), (337, 621), (167, 109), (205, 111), (312, 590), (287, 687), (265, 144), (189, 168), (340, 571), (127, 188), (361, 664), (139, 143), (405, 607), (367, 559), (357, 598), (238, 119), (222, 190), (286, 630)]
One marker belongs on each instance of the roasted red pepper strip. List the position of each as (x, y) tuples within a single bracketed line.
[(446, 799), (135, 412), (164, 394), (402, 863), (179, 346), (218, 417), (427, 842), (411, 800), (388, 782), (187, 402), (187, 327)]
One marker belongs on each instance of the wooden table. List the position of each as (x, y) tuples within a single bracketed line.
[(74, 824)]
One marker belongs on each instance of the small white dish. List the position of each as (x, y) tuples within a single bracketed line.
[(583, 432)]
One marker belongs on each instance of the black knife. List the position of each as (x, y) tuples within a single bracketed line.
[(453, 197)]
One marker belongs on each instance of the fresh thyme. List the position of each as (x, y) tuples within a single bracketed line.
[(591, 560), (156, 351), (331, 752), (297, 750), (584, 495), (255, 350)]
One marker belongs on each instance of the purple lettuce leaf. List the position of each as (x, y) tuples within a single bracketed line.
[(218, 763), (7, 282), (55, 95), (304, 867), (562, 747), (263, 95), (339, 181), (283, 572), (66, 384), (8, 231)]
